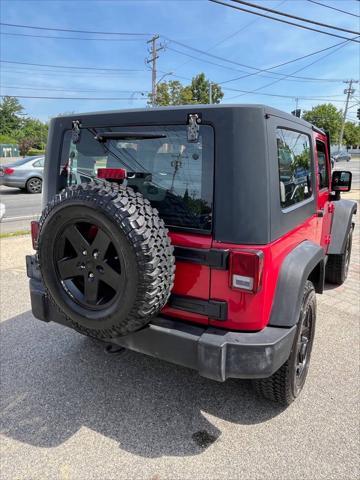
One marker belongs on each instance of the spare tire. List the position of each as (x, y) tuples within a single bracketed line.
[(105, 257)]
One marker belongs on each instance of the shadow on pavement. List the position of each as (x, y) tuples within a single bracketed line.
[(11, 191), (54, 381)]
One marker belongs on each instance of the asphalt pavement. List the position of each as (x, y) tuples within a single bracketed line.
[(71, 411), (19, 209)]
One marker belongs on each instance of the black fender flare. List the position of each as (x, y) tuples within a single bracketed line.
[(341, 224), (297, 267)]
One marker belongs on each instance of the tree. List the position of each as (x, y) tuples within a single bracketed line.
[(25, 144), (327, 117), (351, 134), (200, 88), (36, 131), (27, 132), (8, 139), (10, 116), (174, 93)]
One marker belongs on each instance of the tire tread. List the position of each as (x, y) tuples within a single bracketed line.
[(149, 238)]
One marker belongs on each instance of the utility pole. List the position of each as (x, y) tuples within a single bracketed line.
[(348, 91), (176, 164), (154, 56), (210, 93)]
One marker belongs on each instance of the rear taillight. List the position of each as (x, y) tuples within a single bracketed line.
[(8, 171), (111, 173), (35, 227), (246, 267)]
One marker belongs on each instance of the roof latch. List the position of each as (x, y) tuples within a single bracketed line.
[(194, 120), (75, 134)]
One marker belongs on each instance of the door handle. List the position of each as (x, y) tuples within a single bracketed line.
[(320, 213)]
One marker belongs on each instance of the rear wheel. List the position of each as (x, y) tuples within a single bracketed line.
[(287, 382), (337, 267), (34, 185)]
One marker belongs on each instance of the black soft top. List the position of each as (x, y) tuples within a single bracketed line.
[(246, 177), (153, 111)]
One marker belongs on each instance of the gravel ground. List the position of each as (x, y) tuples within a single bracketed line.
[(70, 411)]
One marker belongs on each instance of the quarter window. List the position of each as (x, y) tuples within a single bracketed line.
[(39, 163), (294, 157)]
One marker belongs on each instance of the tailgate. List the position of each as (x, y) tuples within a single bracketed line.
[(190, 299)]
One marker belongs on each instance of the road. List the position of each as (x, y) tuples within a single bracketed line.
[(70, 411), (21, 207)]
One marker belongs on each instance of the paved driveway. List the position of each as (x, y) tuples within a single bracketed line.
[(71, 411)]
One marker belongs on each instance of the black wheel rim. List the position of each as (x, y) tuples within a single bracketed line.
[(303, 348), (88, 265), (35, 185)]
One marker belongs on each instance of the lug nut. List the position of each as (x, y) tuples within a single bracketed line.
[(82, 266), (84, 252), (95, 254), (91, 275)]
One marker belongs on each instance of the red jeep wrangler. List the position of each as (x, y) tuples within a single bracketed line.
[(198, 235)]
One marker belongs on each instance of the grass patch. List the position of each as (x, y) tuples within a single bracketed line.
[(17, 233)]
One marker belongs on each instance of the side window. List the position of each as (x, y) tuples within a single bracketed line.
[(39, 163), (323, 167), (294, 156)]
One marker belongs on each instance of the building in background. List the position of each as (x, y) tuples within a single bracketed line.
[(9, 150)]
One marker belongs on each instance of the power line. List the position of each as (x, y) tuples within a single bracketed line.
[(72, 67), (283, 21), (75, 98), (198, 51), (295, 17), (259, 69), (267, 94), (258, 73), (203, 60), (68, 90), (228, 36), (300, 69), (334, 8), (73, 38), (33, 27), (53, 73), (340, 44)]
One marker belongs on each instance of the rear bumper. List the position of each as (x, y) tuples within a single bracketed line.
[(215, 353), (7, 181)]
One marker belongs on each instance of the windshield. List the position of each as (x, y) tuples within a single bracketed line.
[(176, 176)]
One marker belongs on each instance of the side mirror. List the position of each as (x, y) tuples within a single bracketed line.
[(341, 181)]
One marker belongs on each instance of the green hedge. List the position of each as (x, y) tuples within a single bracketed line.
[(34, 152)]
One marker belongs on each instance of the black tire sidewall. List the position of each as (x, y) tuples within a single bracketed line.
[(348, 249), (54, 223), (308, 302)]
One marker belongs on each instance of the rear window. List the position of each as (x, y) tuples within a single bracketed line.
[(176, 176), (21, 161)]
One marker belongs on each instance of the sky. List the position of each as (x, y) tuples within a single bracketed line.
[(231, 37)]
